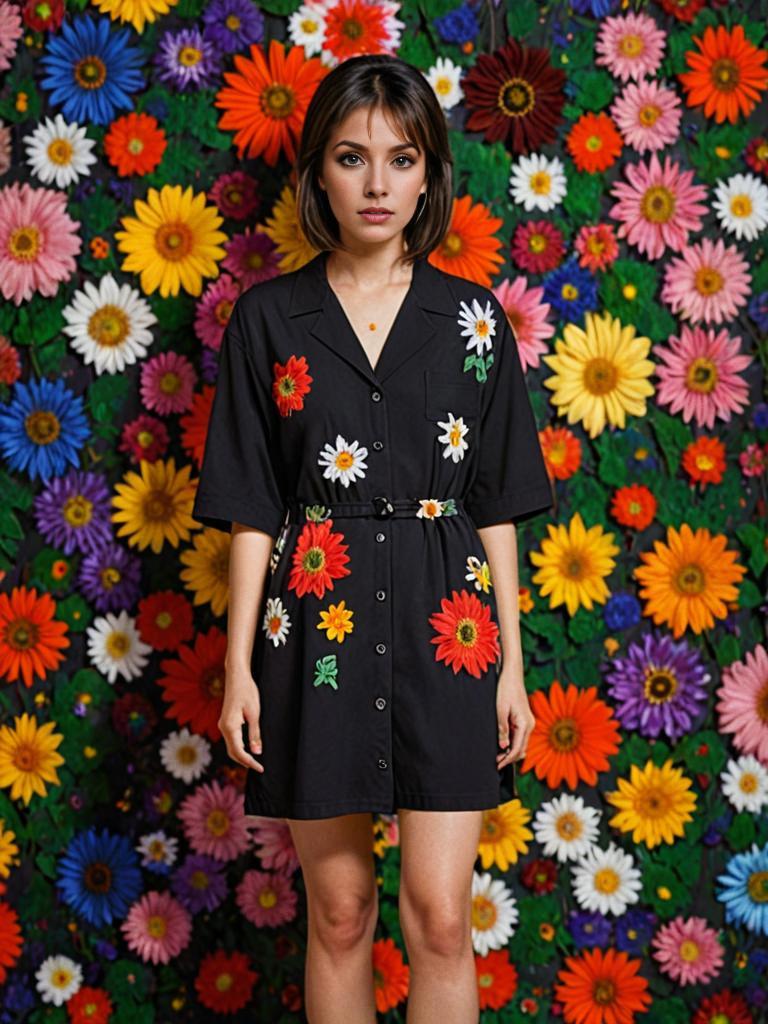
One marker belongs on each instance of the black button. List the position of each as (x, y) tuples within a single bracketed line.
[(380, 537), (383, 507), (382, 763), (376, 396), (378, 445), (381, 703), (381, 648), (380, 595)]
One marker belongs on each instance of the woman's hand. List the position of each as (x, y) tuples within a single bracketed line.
[(514, 714), (241, 704)]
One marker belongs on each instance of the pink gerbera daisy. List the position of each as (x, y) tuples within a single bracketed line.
[(630, 46), (688, 951), (38, 242), (527, 316), (537, 246), (597, 246), (168, 383), (273, 843), (214, 310), (266, 898), (701, 375), (658, 207), (710, 282), (743, 701), (648, 115), (10, 32), (214, 821), (251, 257), (157, 927)]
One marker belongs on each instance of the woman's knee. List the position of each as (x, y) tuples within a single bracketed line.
[(344, 919), (435, 924)]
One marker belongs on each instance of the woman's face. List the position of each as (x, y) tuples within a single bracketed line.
[(361, 171)]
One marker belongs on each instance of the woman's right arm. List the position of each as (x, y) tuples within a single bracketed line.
[(249, 556)]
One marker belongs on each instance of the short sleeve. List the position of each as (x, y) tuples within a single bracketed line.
[(511, 482), (237, 481)]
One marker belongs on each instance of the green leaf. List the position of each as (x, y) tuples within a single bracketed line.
[(521, 18), (585, 193), (741, 832), (106, 396), (749, 595), (596, 89), (754, 539), (673, 437)]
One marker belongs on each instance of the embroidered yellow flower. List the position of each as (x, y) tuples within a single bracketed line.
[(337, 621)]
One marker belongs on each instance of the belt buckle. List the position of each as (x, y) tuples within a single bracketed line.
[(383, 507)]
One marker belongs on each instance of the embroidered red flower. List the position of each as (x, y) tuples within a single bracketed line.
[(467, 636), (318, 558), (290, 385)]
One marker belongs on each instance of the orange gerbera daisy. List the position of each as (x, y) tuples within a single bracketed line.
[(704, 460), (727, 74), (10, 939), (574, 735), (562, 451), (135, 144), (687, 581), (194, 683), (602, 987), (319, 558), (31, 640), (496, 979), (469, 247), (594, 143), (634, 506), (467, 636), (291, 383), (390, 975), (265, 103), (194, 424)]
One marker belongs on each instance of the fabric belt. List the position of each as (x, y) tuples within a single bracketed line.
[(379, 507)]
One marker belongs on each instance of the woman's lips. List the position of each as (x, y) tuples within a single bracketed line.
[(375, 218)]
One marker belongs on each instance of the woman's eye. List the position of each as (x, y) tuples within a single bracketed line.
[(401, 156)]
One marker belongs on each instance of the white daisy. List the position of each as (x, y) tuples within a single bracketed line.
[(157, 850), (276, 622), (741, 204), (444, 77), (745, 783), (478, 573), (344, 462), (494, 913), (109, 324), (185, 755), (430, 508), (455, 428), (115, 646), (59, 153), (306, 27), (538, 182), (479, 325), (58, 978), (606, 880), (566, 827)]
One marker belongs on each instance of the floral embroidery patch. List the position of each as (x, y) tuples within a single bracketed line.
[(290, 384), (432, 508), (326, 671), (318, 559), (343, 461), (480, 327), (276, 622), (337, 621), (479, 573), (453, 437), (467, 636)]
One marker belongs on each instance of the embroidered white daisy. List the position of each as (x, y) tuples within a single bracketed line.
[(538, 182), (606, 880), (59, 153), (115, 646), (744, 782), (741, 205), (58, 978), (455, 430), (276, 622), (343, 462), (566, 827), (478, 573), (444, 77), (185, 755), (479, 325), (158, 850), (494, 913), (306, 27), (109, 324), (430, 508)]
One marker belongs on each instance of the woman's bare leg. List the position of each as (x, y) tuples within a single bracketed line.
[(336, 856)]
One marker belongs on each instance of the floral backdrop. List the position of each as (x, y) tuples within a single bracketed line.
[(611, 186)]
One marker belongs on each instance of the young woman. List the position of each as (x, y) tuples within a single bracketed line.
[(372, 444)]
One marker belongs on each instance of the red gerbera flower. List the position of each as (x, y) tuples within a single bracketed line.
[(165, 620), (390, 975), (704, 460), (194, 684), (318, 559), (515, 96), (683, 10), (467, 636), (726, 1005), (537, 246), (594, 143), (225, 981), (31, 639), (496, 979), (89, 1006), (11, 940), (290, 385), (634, 505), (194, 423)]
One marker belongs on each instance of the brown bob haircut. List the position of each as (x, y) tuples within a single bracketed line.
[(405, 97)]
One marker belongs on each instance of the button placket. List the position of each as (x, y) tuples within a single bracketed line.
[(382, 509)]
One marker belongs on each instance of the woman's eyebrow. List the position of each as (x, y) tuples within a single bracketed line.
[(358, 145)]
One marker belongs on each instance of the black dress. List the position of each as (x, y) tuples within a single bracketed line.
[(377, 651)]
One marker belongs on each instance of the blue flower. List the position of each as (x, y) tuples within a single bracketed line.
[(572, 290), (634, 930), (758, 310), (760, 416), (99, 876), (595, 8), (458, 26), (91, 70), (745, 889), (621, 611), (43, 428)]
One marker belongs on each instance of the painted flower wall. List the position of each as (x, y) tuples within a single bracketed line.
[(611, 186)]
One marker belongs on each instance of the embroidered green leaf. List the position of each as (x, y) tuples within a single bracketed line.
[(326, 671), (316, 513)]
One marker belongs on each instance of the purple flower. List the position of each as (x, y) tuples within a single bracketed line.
[(74, 512), (233, 25), (634, 930), (589, 928), (200, 883), (209, 366), (111, 578), (187, 60)]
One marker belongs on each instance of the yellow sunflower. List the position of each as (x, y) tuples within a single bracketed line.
[(654, 803), (284, 230), (172, 242), (208, 573), (601, 373), (8, 850), (28, 757), (137, 12), (155, 507), (688, 580), (574, 563), (504, 835)]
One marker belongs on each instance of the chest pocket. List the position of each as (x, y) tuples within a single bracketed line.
[(444, 394)]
